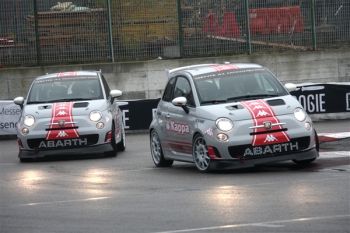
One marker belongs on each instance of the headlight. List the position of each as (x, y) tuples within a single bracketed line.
[(29, 120), (224, 124), (300, 114), (95, 116)]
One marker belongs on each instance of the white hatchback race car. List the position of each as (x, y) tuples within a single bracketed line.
[(70, 113), (230, 116)]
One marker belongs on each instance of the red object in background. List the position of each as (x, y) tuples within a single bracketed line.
[(276, 20), (211, 24), (229, 27)]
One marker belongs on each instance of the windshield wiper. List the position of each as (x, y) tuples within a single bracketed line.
[(248, 97), (213, 101), (58, 100), (70, 99), (38, 102)]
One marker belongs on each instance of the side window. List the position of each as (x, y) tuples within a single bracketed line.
[(168, 92), (105, 86), (183, 88)]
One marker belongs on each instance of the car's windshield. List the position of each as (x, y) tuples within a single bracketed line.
[(237, 86), (63, 89)]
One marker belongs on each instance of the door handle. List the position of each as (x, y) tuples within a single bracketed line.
[(167, 115)]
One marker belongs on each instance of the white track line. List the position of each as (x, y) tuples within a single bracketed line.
[(67, 201), (264, 224)]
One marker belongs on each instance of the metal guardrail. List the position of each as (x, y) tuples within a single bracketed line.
[(42, 32)]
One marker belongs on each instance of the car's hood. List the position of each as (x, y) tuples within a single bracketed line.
[(237, 111), (78, 108)]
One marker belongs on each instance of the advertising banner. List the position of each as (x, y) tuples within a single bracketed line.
[(9, 116), (317, 99), (324, 98)]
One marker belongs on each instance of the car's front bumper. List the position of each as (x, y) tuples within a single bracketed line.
[(78, 151), (244, 163)]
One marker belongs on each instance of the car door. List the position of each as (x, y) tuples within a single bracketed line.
[(162, 111), (179, 124)]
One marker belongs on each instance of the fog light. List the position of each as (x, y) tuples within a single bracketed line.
[(100, 125), (25, 131), (222, 137), (307, 125)]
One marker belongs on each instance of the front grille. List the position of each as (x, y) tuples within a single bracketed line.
[(43, 144), (250, 152)]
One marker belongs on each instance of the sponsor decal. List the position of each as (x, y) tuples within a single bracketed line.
[(263, 114), (61, 125), (177, 127), (74, 142), (271, 149), (66, 74), (209, 132), (224, 67)]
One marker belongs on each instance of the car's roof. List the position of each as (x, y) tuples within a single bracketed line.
[(68, 74), (210, 68)]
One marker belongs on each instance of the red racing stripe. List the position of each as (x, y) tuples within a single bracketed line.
[(61, 119), (261, 112), (219, 68)]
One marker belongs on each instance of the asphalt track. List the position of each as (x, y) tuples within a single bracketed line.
[(128, 194)]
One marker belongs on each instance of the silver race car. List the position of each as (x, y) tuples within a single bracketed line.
[(70, 113), (229, 116)]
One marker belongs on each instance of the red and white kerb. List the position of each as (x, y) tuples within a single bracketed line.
[(61, 125), (261, 113)]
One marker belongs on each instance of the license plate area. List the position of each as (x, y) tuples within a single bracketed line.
[(82, 141), (248, 151)]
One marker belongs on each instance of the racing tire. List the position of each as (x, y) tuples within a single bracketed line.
[(200, 155), (308, 161), (157, 151), (122, 144), (114, 151), (25, 160)]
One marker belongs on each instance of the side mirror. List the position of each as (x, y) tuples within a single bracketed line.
[(19, 101), (115, 94), (180, 102), (290, 86)]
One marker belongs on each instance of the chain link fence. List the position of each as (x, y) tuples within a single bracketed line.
[(43, 32)]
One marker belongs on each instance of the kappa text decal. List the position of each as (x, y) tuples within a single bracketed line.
[(177, 127)]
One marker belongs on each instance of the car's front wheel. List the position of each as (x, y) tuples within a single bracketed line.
[(122, 144), (200, 154), (114, 150), (157, 152)]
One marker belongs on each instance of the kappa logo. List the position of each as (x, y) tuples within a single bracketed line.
[(270, 138), (258, 107), (262, 113), (61, 134), (254, 103), (61, 113)]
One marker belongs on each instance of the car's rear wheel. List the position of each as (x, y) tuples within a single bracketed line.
[(122, 144), (200, 154), (157, 152)]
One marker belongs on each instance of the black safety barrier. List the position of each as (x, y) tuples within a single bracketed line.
[(315, 98), (324, 98)]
